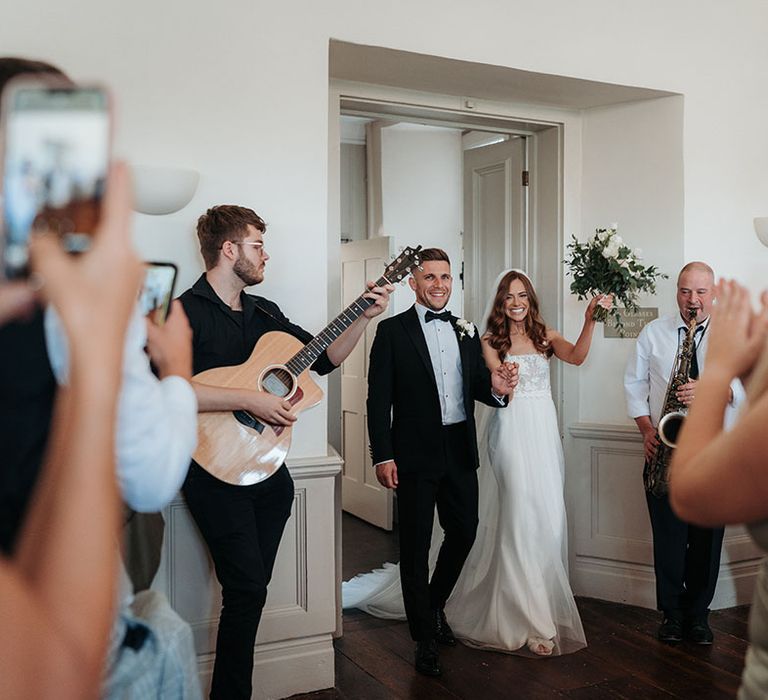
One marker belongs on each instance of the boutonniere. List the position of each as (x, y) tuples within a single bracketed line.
[(465, 328)]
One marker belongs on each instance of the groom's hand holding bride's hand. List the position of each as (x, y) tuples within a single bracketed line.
[(386, 473), (504, 378)]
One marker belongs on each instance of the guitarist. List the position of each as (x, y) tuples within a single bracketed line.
[(242, 525)]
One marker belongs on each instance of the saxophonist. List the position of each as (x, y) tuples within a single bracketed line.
[(686, 558)]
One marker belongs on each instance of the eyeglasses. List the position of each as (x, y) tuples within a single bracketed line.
[(255, 244)]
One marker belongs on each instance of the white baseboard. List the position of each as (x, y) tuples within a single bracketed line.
[(635, 584), (282, 669)]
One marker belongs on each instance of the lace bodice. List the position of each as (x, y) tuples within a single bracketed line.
[(534, 375)]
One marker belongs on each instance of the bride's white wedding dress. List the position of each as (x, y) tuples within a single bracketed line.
[(514, 586)]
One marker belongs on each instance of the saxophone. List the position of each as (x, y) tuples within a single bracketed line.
[(655, 473)]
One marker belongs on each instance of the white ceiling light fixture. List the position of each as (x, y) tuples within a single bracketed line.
[(761, 229), (163, 190)]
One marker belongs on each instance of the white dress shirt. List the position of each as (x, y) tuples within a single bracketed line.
[(443, 346), (652, 361), (156, 420)]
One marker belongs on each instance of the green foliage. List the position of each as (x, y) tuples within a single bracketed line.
[(604, 264)]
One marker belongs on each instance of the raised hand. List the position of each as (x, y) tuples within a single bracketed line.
[(94, 293), (736, 335), (170, 345), (603, 300)]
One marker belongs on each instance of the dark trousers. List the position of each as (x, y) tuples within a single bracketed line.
[(686, 560), (454, 491), (242, 526)]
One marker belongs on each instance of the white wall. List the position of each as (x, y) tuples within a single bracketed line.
[(422, 196), (239, 91), (632, 174)]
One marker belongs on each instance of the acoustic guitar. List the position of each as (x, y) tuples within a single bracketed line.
[(235, 446)]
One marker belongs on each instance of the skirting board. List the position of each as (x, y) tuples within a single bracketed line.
[(282, 669), (635, 584)]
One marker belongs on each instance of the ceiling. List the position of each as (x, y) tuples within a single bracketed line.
[(414, 71)]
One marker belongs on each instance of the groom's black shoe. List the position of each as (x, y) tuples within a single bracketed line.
[(443, 632), (427, 658)]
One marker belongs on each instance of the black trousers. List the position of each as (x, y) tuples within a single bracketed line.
[(242, 526), (454, 492), (686, 560)]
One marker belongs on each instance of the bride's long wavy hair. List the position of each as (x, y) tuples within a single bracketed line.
[(499, 325)]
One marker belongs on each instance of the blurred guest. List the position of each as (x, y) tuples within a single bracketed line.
[(156, 434), (57, 592), (722, 477)]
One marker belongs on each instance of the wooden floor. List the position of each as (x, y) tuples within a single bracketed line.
[(623, 659)]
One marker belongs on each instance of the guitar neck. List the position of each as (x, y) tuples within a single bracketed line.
[(315, 347)]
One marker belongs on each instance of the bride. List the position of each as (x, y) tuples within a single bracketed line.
[(513, 594)]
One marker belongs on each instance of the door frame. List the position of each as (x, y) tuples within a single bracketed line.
[(544, 131)]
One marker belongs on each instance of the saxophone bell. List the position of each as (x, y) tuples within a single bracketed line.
[(669, 427)]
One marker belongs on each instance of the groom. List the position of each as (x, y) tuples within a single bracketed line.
[(425, 373)]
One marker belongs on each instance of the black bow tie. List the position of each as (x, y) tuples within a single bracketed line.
[(442, 316)]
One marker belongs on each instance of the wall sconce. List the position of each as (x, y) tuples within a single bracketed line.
[(163, 190), (761, 229)]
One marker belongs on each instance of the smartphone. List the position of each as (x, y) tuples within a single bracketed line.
[(55, 153), (157, 291)]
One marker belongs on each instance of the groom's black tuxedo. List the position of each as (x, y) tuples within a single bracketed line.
[(401, 384), (436, 463)]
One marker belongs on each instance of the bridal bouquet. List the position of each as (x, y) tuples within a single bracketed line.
[(607, 265)]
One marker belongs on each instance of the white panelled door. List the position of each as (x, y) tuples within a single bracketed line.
[(494, 219), (361, 494)]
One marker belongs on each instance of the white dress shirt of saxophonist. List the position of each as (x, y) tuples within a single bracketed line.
[(652, 361)]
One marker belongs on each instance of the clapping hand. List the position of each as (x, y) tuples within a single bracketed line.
[(737, 335)]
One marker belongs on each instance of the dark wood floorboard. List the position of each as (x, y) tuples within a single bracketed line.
[(365, 547), (623, 659)]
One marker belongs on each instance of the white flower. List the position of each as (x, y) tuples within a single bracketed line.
[(611, 250), (624, 263), (605, 235), (614, 226), (618, 240), (465, 328)]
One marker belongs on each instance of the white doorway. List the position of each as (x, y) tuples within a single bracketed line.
[(472, 190)]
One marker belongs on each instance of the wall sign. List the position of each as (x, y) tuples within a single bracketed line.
[(633, 321)]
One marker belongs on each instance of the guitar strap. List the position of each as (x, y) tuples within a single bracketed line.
[(277, 320)]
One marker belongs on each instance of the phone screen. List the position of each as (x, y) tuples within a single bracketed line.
[(157, 291), (55, 163)]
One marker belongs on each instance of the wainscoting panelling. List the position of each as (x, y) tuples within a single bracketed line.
[(294, 647), (611, 554)]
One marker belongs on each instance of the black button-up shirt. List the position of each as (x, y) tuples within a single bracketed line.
[(223, 337)]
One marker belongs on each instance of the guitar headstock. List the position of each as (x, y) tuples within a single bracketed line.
[(402, 265)]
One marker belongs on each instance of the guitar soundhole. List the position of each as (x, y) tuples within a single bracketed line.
[(277, 381)]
